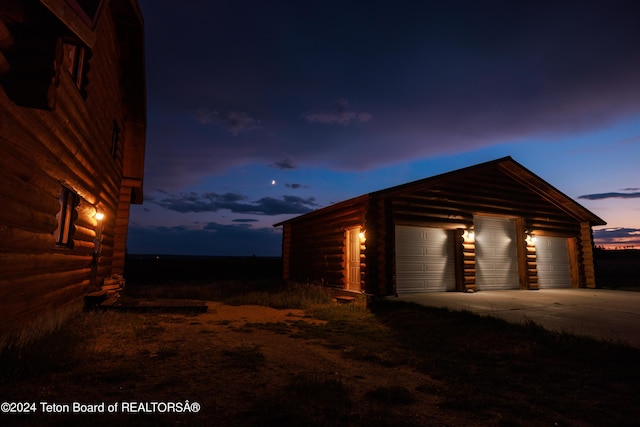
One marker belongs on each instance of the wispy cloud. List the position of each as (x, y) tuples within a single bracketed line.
[(617, 237), (632, 140), (295, 186), (213, 202), (285, 164), (612, 195), (235, 122), (338, 114)]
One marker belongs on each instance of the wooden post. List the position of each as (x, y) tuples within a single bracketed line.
[(532, 266), (586, 240), (521, 245), (469, 264), (574, 263), (458, 253)]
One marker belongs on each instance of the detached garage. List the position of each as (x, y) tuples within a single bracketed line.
[(491, 226)]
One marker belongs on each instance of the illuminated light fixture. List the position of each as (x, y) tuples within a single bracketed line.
[(531, 239), (468, 236), (99, 216), (362, 236)]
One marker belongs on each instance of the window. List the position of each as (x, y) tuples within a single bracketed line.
[(76, 62), (67, 216), (115, 140)]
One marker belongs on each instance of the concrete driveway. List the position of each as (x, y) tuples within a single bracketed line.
[(602, 314)]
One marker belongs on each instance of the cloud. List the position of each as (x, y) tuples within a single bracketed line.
[(294, 186), (289, 205), (211, 239), (199, 202), (616, 232), (440, 79), (613, 195), (339, 114), (244, 220), (285, 164), (617, 237), (235, 122), (213, 202)]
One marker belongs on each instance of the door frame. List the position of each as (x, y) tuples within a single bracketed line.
[(352, 276)]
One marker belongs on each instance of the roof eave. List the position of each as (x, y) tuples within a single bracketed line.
[(549, 192)]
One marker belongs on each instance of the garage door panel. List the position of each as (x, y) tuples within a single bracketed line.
[(405, 268), (552, 259), (496, 253), (438, 267), (413, 285), (411, 267), (440, 252), (408, 251), (424, 260)]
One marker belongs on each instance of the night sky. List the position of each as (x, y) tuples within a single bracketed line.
[(259, 111)]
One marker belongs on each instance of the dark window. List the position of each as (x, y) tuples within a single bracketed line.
[(115, 140), (67, 216), (76, 58)]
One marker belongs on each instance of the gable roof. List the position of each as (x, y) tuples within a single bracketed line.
[(507, 165)]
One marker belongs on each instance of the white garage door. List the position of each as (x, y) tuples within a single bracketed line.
[(552, 259), (424, 260), (496, 253)]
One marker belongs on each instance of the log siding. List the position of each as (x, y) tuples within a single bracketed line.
[(317, 255), (66, 143)]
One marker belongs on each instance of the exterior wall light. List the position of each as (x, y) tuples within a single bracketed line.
[(99, 216), (468, 236), (530, 239), (362, 236)]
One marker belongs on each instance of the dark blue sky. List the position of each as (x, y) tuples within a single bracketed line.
[(259, 111)]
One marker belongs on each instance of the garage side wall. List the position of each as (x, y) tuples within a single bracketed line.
[(316, 246)]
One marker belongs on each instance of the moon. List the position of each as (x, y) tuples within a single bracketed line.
[(273, 182)]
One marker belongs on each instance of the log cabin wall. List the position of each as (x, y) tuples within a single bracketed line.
[(530, 265), (314, 247), (67, 137), (586, 272), (467, 280), (379, 247), (286, 252)]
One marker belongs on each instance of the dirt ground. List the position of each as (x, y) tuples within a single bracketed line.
[(235, 362)]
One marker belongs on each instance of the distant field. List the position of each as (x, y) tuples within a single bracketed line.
[(618, 269), (614, 269), (154, 269)]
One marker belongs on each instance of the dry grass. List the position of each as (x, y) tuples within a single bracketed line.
[(378, 364)]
